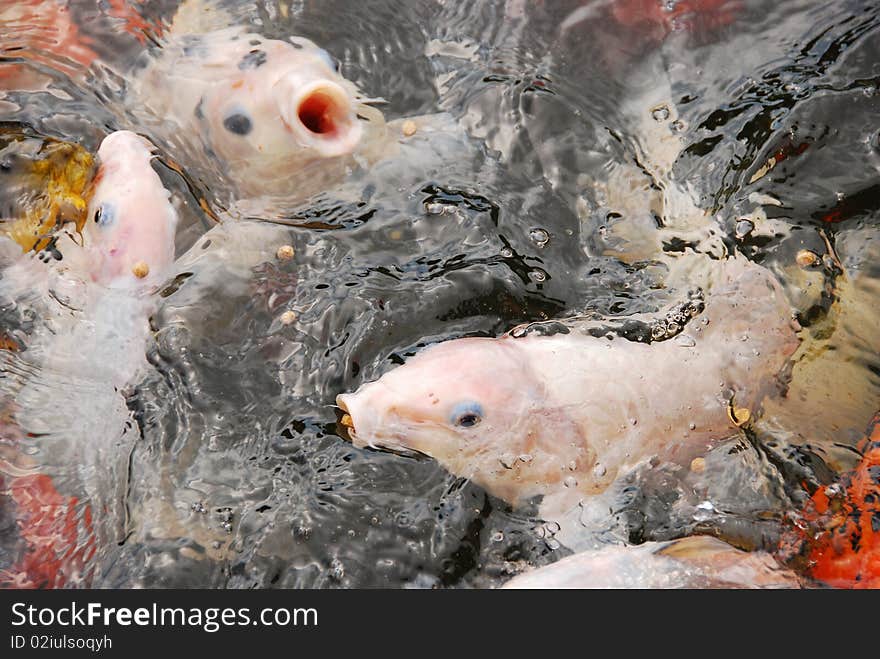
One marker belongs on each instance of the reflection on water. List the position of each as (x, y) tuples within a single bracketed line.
[(563, 150)]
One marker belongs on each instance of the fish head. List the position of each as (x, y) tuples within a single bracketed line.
[(285, 103), (130, 225), (477, 407)]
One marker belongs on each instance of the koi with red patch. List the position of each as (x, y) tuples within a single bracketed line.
[(57, 532), (40, 34), (838, 543)]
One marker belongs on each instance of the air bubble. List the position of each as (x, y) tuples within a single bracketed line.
[(539, 236), (685, 341), (538, 276), (506, 252), (704, 511), (337, 570), (660, 113), (743, 228)]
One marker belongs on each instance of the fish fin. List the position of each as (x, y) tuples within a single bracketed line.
[(833, 390), (694, 547)]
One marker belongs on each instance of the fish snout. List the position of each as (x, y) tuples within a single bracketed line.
[(321, 114), (369, 424), (370, 415), (351, 407)]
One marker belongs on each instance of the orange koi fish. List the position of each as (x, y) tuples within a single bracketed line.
[(838, 541)]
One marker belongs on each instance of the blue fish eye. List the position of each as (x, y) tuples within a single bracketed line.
[(467, 414), (104, 214), (331, 61)]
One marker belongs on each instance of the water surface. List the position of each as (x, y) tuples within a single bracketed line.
[(228, 467)]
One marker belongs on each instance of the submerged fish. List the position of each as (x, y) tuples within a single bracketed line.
[(692, 562), (45, 185), (92, 301), (837, 539), (562, 413), (43, 37)]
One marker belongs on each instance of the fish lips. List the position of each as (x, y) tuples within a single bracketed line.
[(352, 407), (321, 114)]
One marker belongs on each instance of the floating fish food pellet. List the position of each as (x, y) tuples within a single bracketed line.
[(140, 269), (805, 258), (285, 252)]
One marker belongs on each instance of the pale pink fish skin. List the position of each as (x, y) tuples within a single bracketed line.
[(693, 562), (565, 414), (265, 108), (131, 220)]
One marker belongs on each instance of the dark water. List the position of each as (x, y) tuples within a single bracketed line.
[(234, 472)]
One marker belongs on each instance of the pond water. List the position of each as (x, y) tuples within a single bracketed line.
[(546, 192)]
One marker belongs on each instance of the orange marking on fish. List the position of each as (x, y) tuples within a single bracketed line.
[(50, 527), (839, 541), (43, 33), (8, 343), (133, 21), (708, 14)]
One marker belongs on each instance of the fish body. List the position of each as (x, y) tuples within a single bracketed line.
[(837, 541), (67, 413), (269, 117), (45, 37), (692, 562), (48, 37), (562, 415), (45, 184), (130, 220)]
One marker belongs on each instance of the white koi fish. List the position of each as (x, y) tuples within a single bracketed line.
[(693, 562), (268, 116), (90, 296), (562, 415)]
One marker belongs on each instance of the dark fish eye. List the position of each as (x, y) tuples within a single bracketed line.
[(467, 414), (104, 215), (238, 122)]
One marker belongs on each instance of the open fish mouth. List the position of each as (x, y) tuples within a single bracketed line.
[(321, 114), (345, 422), (346, 429)]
